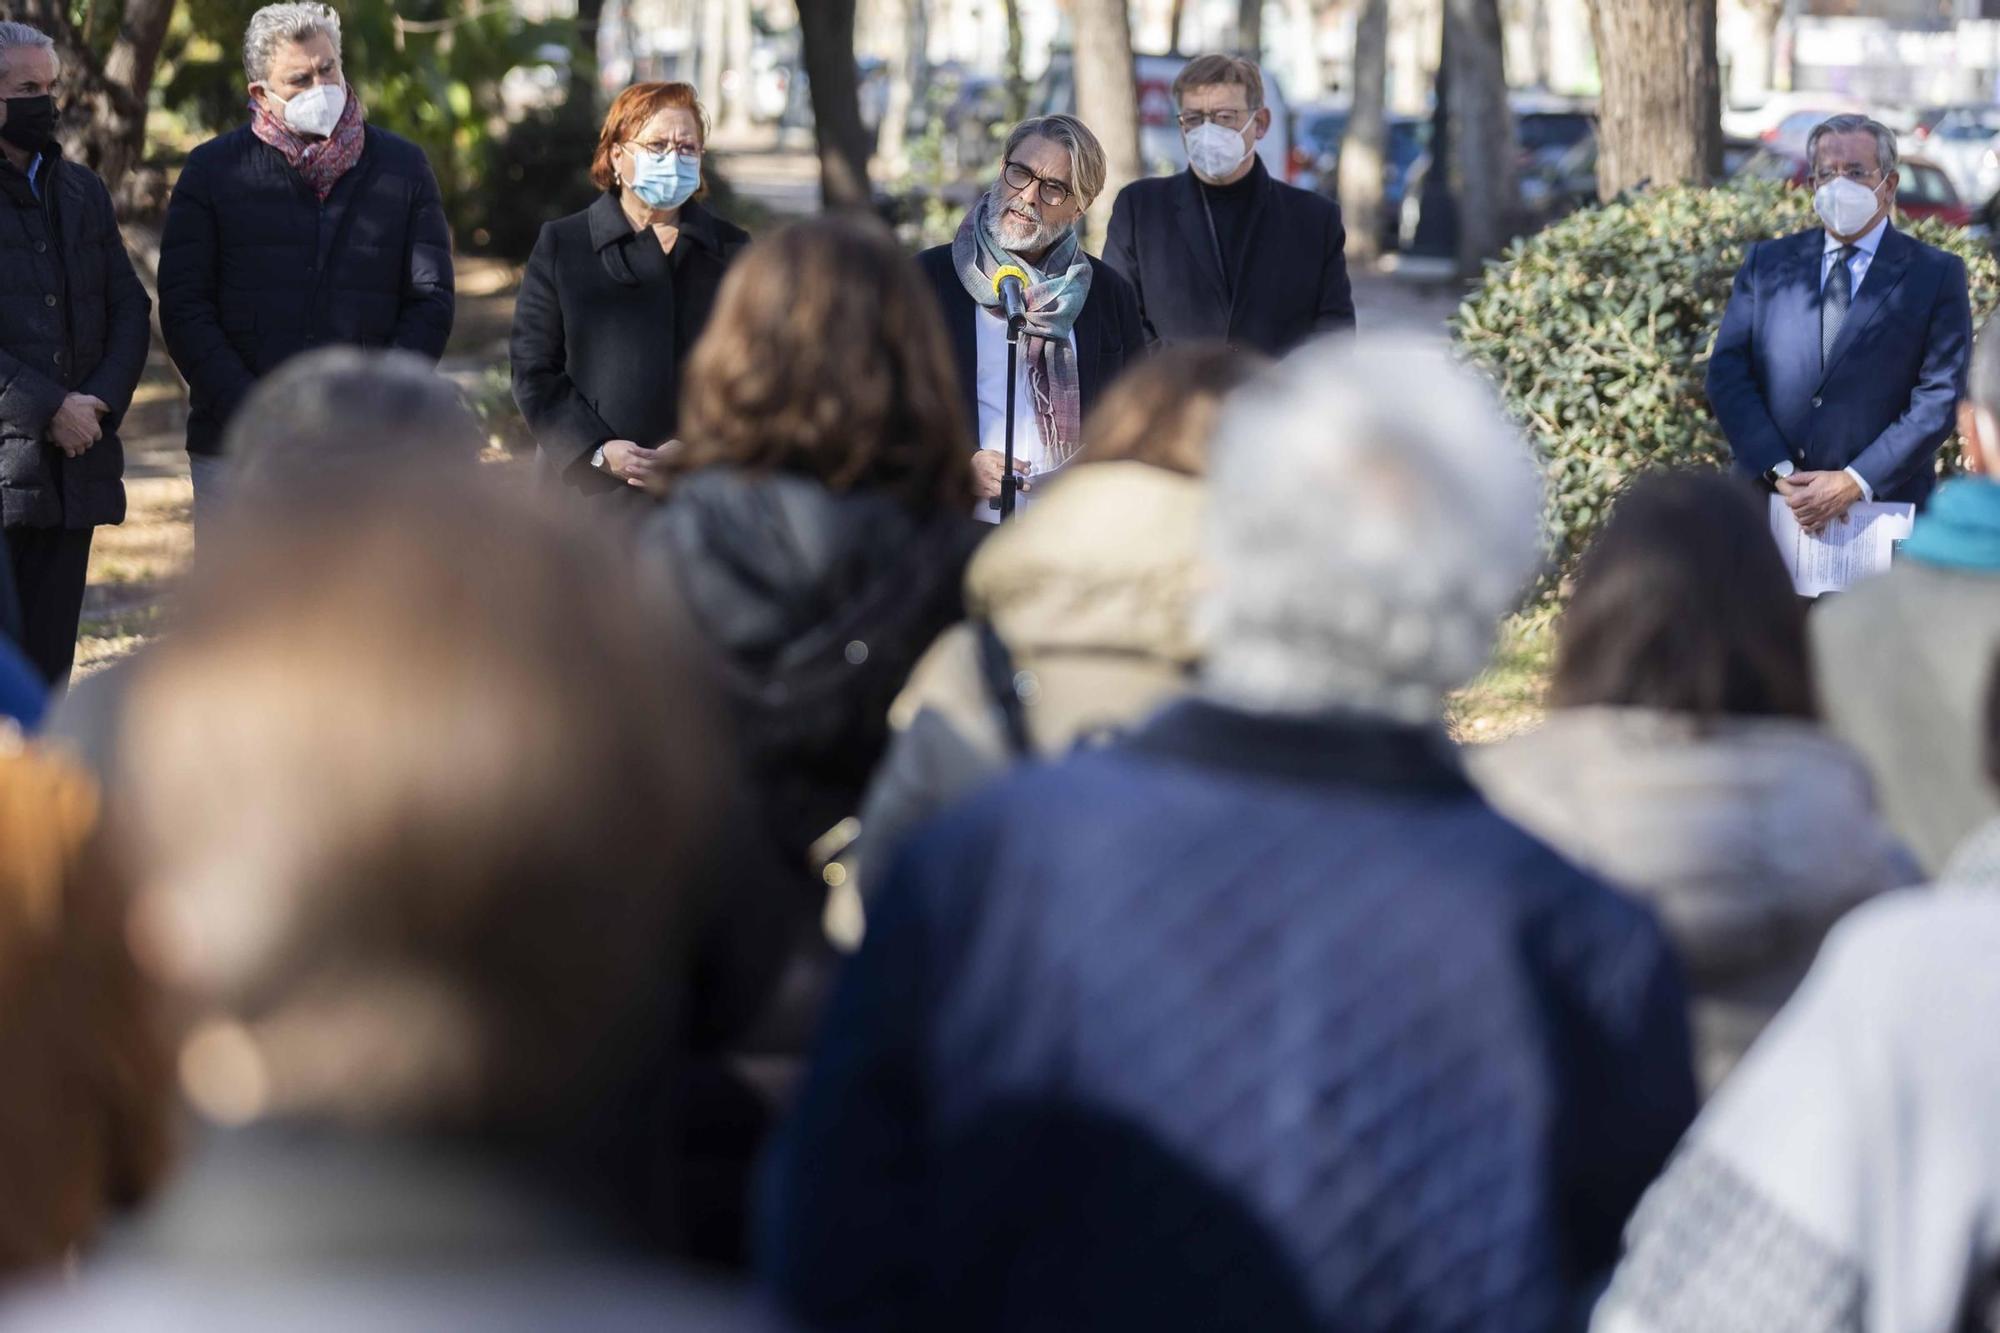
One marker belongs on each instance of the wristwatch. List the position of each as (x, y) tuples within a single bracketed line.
[(597, 458)]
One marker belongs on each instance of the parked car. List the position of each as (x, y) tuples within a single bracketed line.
[(1923, 190), (1317, 130), (1545, 141), (1161, 151), (1762, 122), (1961, 140)]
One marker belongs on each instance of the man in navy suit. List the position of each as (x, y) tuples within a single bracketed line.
[(1222, 250), (1842, 355)]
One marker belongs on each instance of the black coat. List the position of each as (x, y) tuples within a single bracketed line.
[(1107, 331), (254, 268), (73, 318), (815, 606), (602, 325), (1291, 283)]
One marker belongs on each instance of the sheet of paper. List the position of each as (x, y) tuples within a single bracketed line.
[(1846, 552)]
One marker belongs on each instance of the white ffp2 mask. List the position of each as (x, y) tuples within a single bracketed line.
[(1845, 206), (317, 110), (1214, 151)]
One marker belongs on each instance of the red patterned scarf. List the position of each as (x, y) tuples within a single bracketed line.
[(321, 161)]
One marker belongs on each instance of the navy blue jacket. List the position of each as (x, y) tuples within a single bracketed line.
[(1241, 1023), (1290, 282), (1887, 395), (73, 319), (254, 268)]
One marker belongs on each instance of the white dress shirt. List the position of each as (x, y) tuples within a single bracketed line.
[(1865, 247), (991, 390)]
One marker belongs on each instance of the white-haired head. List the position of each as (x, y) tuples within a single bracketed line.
[(1372, 516), (276, 26), (15, 36)]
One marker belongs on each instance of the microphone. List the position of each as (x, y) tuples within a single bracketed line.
[(1010, 284)]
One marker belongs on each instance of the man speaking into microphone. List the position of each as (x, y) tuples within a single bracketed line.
[(1079, 321)]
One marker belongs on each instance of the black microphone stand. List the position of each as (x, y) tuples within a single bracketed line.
[(1008, 482)]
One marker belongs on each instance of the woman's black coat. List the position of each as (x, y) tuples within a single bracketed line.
[(602, 326)]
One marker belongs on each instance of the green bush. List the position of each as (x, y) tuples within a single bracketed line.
[(1597, 332)]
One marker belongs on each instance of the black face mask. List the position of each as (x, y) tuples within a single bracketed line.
[(31, 122)]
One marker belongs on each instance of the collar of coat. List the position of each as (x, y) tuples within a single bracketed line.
[(15, 183), (609, 225), (1346, 749)]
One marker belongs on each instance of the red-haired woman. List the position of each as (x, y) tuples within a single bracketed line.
[(614, 296)]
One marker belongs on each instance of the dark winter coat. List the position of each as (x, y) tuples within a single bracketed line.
[(255, 268), (816, 605), (603, 323), (73, 319), (1289, 279), (1241, 1023)]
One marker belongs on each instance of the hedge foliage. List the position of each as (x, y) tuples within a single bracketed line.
[(1597, 331)]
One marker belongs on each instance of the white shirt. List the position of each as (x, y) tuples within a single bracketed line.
[(990, 388), (1865, 247)]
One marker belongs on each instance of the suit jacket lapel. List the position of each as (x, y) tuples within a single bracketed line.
[(1192, 220), (1084, 331), (1892, 259)]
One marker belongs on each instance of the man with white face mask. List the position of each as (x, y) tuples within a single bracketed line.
[(305, 228), (1842, 355), (1223, 250)]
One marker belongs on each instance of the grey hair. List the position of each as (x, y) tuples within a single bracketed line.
[(1087, 168), (276, 26), (1885, 139), (1371, 518), (20, 36)]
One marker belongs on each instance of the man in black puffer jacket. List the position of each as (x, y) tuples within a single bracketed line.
[(307, 227), (74, 328)]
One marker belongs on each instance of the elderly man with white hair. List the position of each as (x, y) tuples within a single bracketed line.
[(1258, 1017), (74, 327), (307, 227)]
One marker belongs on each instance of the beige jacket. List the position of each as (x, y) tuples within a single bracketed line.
[(1091, 590)]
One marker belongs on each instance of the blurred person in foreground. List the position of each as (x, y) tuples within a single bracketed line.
[(431, 914), (1846, 1179), (815, 524), (1900, 657), (1842, 350), (74, 331), (1081, 614), (1083, 320), (305, 228), (85, 1126), (614, 298), (1223, 250), (341, 421), (1683, 738), (1258, 1018)]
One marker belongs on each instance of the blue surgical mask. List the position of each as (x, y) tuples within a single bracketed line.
[(665, 180)]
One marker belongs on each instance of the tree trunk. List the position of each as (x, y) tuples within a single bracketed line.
[(908, 71), (1107, 97), (826, 32), (1250, 29), (1176, 19), (1658, 120), (736, 60), (1482, 131), (1364, 146), (711, 51), (104, 125), (583, 61), (1017, 62)]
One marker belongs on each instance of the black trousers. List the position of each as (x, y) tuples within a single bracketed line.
[(49, 569)]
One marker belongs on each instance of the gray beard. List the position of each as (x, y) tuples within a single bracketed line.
[(1040, 239)]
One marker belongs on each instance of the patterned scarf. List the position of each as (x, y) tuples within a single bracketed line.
[(321, 161), (1056, 293)]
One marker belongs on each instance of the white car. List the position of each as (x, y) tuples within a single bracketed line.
[(1961, 140)]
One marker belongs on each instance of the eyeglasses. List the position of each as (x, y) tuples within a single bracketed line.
[(661, 147), (1230, 118), (1856, 174), (1053, 193)]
